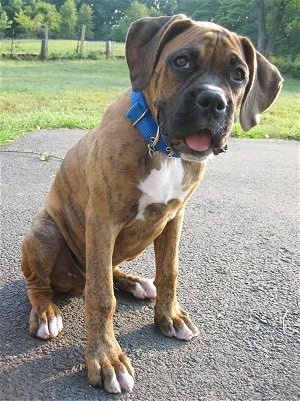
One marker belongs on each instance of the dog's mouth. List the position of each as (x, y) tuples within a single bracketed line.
[(199, 141), (198, 144)]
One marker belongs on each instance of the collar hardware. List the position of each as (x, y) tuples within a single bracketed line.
[(143, 121), (140, 118)]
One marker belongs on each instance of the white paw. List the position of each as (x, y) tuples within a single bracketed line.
[(149, 287), (139, 291), (126, 381), (113, 386), (50, 329), (185, 333), (123, 380), (144, 289)]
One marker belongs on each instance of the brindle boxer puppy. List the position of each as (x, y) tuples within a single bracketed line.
[(122, 188)]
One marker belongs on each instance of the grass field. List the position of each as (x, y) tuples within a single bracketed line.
[(54, 95), (36, 95), (59, 48)]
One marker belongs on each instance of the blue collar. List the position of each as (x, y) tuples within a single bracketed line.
[(142, 119)]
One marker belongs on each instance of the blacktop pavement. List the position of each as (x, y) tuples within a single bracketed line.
[(239, 279)]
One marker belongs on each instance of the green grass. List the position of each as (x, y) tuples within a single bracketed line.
[(75, 94), (69, 94), (59, 48), (281, 120)]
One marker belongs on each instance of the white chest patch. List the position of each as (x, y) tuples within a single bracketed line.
[(162, 185)]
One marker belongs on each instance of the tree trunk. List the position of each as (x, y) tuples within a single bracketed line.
[(261, 20), (281, 6)]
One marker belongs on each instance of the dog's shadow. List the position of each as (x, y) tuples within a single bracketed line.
[(59, 364), (135, 328), (133, 320)]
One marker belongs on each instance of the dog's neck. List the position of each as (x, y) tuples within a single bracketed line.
[(142, 119)]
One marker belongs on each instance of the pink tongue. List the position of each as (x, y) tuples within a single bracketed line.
[(199, 141)]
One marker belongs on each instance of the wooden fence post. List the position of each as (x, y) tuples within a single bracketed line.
[(82, 39), (12, 42), (44, 47), (108, 49)]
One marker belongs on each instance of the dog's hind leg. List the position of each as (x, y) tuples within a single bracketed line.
[(141, 288), (40, 250)]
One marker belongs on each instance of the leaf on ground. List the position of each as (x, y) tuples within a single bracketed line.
[(45, 157)]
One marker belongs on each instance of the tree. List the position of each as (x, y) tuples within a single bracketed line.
[(270, 17), (11, 7), (68, 13), (200, 10), (85, 17), (292, 29), (261, 22), (164, 7), (135, 11), (51, 16), (267, 22), (280, 8), (37, 14), (5, 23), (273, 25), (107, 14), (30, 24), (235, 15)]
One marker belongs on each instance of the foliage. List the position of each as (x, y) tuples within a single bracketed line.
[(85, 17), (135, 11), (12, 7), (35, 15), (273, 25), (107, 14), (287, 66), (28, 23), (68, 14), (5, 23), (51, 16)]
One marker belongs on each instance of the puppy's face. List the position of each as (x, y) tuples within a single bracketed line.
[(198, 83), (194, 76)]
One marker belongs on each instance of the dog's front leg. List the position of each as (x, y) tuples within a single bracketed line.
[(105, 359), (172, 320)]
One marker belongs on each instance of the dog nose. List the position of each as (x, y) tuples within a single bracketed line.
[(211, 101)]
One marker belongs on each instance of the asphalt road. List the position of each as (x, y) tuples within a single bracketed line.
[(239, 280)]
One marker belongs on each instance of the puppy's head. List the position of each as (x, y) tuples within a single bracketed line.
[(194, 76)]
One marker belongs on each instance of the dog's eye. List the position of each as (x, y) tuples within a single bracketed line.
[(181, 62), (238, 75)]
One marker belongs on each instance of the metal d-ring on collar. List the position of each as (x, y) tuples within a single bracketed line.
[(142, 119), (153, 143)]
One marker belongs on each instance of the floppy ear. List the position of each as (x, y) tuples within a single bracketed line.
[(263, 87), (145, 39)]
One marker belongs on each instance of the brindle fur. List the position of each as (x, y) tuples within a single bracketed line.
[(88, 225)]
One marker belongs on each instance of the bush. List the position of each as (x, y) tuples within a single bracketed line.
[(287, 67), (94, 55)]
